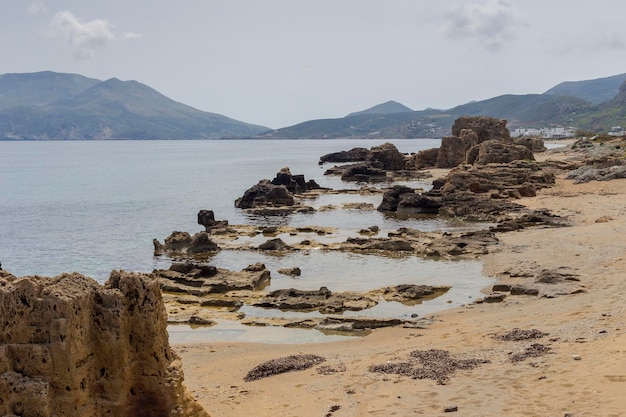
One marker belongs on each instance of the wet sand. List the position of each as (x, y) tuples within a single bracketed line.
[(582, 374)]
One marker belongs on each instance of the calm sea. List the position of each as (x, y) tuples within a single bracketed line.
[(95, 206)]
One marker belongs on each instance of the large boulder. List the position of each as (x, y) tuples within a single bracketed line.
[(462, 147), (453, 149), (486, 128), (71, 347), (296, 184), (184, 243), (497, 152), (265, 194), (389, 157), (353, 155)]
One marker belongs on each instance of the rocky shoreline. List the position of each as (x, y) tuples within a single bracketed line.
[(71, 346), (490, 176)]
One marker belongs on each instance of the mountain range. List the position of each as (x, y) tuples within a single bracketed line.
[(593, 105), (51, 106)]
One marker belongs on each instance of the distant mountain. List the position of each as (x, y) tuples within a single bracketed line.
[(605, 115), (568, 104), (75, 107), (388, 107), (40, 88), (596, 91)]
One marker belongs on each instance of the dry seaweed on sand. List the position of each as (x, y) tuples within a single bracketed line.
[(435, 364), (533, 351), (282, 365), (516, 335)]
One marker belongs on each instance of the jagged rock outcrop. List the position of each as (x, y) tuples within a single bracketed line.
[(295, 184), (207, 219), (184, 243), (371, 166), (265, 194), (476, 192), (71, 347), (465, 146), (496, 152), (277, 193), (353, 155), (486, 128), (201, 279), (534, 144), (322, 300), (387, 156)]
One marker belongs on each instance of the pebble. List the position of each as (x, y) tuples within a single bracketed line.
[(451, 409), (576, 357)]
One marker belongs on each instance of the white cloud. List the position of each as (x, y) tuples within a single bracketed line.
[(85, 36), (490, 23), (82, 34), (37, 8)]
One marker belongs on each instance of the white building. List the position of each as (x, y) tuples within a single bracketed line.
[(617, 131), (545, 133)]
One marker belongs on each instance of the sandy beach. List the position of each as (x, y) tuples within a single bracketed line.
[(581, 370)]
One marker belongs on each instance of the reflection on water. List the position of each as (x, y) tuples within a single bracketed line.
[(343, 271)]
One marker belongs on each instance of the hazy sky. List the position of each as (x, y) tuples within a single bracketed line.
[(281, 62)]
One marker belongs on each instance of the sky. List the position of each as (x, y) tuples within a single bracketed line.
[(281, 62)]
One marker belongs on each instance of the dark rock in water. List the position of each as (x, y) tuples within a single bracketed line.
[(275, 245), (364, 172), (391, 197), (353, 155), (263, 194), (206, 218), (292, 272), (322, 300), (194, 269), (280, 192), (184, 243), (295, 183), (372, 165), (389, 157), (201, 280)]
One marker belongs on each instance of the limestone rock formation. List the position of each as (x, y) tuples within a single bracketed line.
[(71, 347), (265, 194), (279, 192), (496, 152), (184, 243), (201, 279), (372, 165), (466, 145), (486, 128)]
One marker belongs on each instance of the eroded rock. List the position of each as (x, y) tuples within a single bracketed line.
[(72, 347)]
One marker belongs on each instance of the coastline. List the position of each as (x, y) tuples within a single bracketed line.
[(582, 374)]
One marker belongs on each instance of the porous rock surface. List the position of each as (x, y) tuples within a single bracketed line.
[(71, 347)]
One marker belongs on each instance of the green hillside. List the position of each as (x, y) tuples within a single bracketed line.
[(111, 109), (40, 88), (388, 107), (596, 91)]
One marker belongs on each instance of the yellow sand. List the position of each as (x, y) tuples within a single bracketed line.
[(591, 325)]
